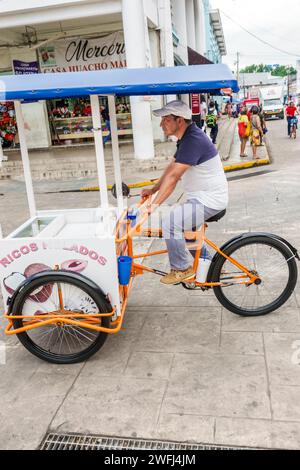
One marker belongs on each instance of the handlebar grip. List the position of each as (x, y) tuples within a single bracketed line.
[(137, 227)]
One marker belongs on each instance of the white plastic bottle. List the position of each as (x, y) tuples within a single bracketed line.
[(203, 265)]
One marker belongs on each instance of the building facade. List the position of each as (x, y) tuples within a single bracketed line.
[(49, 36), (215, 46)]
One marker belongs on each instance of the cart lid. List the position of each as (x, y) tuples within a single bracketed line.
[(122, 82)]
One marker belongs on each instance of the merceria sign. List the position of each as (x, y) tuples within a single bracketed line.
[(77, 55)]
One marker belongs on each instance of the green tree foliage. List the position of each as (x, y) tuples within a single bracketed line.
[(279, 70), (283, 71)]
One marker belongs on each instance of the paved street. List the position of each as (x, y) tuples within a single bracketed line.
[(183, 368)]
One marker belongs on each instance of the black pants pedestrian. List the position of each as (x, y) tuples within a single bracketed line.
[(213, 133), (289, 124)]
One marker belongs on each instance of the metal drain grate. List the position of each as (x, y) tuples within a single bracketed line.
[(54, 441)]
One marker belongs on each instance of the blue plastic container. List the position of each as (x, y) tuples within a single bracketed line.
[(132, 215), (124, 269)]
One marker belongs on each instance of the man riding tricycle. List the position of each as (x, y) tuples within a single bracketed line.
[(66, 275)]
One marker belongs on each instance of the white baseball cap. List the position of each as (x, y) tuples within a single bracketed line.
[(176, 107)]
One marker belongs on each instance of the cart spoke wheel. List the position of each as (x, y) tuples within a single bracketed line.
[(62, 342)]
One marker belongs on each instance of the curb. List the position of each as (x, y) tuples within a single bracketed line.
[(139, 184), (251, 164), (227, 168)]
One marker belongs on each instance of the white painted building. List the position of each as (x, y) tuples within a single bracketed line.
[(68, 35)]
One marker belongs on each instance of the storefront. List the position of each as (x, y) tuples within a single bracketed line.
[(67, 122), (70, 120)]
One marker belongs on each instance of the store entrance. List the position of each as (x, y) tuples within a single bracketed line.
[(71, 120)]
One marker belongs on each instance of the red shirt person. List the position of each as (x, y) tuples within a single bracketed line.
[(290, 112)]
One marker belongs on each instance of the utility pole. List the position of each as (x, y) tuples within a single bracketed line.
[(238, 67), (288, 83)]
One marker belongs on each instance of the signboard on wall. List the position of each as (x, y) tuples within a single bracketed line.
[(24, 68), (253, 92), (195, 99), (79, 55)]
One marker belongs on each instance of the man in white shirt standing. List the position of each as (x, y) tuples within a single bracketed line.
[(198, 164)]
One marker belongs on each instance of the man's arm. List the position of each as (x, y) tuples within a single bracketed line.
[(157, 186), (148, 192), (169, 181)]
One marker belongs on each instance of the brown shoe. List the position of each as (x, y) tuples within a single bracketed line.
[(176, 277)]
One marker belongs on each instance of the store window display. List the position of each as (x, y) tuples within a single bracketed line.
[(8, 124), (71, 120)]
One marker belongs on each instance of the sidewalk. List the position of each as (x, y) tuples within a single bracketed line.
[(80, 162), (235, 162)]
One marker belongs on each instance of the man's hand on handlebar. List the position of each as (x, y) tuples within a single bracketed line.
[(146, 193)]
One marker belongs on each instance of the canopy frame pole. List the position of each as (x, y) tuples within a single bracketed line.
[(25, 159), (115, 151), (97, 128)]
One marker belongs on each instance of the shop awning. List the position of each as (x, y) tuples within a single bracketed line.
[(197, 59), (121, 82)]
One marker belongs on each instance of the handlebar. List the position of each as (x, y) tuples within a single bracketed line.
[(137, 227)]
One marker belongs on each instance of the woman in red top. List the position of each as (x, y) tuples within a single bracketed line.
[(290, 112)]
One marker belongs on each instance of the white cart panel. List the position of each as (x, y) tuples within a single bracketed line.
[(81, 242)]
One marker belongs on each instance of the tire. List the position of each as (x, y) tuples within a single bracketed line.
[(283, 278), (82, 297)]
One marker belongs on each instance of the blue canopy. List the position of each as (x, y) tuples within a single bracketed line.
[(122, 82)]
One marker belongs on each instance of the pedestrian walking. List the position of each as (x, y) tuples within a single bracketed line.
[(106, 119), (212, 121), (244, 131), (203, 111), (229, 110), (263, 121), (256, 131)]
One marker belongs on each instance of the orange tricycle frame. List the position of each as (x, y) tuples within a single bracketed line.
[(124, 245)]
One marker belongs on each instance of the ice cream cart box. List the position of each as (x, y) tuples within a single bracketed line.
[(81, 241)]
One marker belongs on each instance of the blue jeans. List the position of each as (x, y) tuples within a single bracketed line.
[(183, 217), (107, 137), (289, 120)]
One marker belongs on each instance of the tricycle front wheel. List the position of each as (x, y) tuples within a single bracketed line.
[(61, 343)]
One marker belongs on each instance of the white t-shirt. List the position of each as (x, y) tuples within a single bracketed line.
[(207, 183), (203, 109), (205, 179)]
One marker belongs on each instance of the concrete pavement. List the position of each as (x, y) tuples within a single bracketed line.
[(183, 368)]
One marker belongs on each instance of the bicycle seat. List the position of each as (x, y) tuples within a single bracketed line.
[(216, 217)]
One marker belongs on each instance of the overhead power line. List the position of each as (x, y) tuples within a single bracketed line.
[(258, 38)]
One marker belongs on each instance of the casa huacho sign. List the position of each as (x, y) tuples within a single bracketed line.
[(79, 55)]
